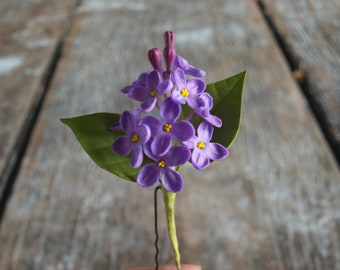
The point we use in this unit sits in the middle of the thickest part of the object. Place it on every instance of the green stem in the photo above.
(169, 203)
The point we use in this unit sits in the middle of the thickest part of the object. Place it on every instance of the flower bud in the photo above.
(169, 54)
(155, 58)
(169, 38)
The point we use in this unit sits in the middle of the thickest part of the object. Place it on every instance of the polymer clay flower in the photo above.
(166, 128)
(162, 169)
(183, 64)
(137, 136)
(141, 81)
(149, 94)
(204, 111)
(204, 150)
(187, 91)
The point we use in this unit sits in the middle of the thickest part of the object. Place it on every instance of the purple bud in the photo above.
(169, 38)
(169, 57)
(155, 58)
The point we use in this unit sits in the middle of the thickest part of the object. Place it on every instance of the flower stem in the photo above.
(156, 226)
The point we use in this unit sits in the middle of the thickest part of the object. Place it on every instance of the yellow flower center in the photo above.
(135, 138)
(167, 127)
(200, 145)
(153, 93)
(161, 163)
(184, 92)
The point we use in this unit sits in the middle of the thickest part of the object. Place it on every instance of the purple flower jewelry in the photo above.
(168, 91)
(150, 143)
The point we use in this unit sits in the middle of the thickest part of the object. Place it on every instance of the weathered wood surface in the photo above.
(311, 35)
(30, 32)
(273, 204)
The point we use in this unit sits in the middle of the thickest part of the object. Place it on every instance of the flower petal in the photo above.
(197, 103)
(199, 159)
(165, 87)
(207, 99)
(139, 93)
(169, 111)
(205, 131)
(148, 175)
(182, 130)
(177, 155)
(161, 144)
(214, 120)
(137, 156)
(148, 105)
(196, 86)
(179, 79)
(191, 143)
(216, 151)
(172, 180)
(177, 97)
(122, 145)
(128, 122)
(153, 123)
(144, 133)
(153, 80)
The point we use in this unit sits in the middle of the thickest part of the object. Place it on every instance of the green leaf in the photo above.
(92, 133)
(169, 203)
(227, 95)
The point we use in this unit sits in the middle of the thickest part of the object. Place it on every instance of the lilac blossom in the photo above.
(203, 150)
(141, 81)
(183, 64)
(204, 112)
(161, 169)
(149, 94)
(136, 136)
(166, 128)
(187, 91)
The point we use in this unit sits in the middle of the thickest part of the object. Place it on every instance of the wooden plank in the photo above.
(310, 33)
(30, 32)
(273, 204)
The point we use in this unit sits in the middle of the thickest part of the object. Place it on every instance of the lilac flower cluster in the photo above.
(165, 139)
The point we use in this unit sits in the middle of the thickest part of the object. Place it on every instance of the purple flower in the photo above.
(137, 136)
(187, 91)
(141, 81)
(180, 62)
(166, 128)
(203, 150)
(149, 94)
(204, 111)
(161, 169)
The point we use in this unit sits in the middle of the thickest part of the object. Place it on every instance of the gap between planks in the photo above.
(13, 163)
(300, 75)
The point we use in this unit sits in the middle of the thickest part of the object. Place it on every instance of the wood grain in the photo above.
(310, 31)
(273, 204)
(30, 32)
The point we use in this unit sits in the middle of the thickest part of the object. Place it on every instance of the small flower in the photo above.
(183, 64)
(204, 111)
(166, 128)
(203, 150)
(161, 169)
(141, 81)
(149, 94)
(187, 91)
(137, 136)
